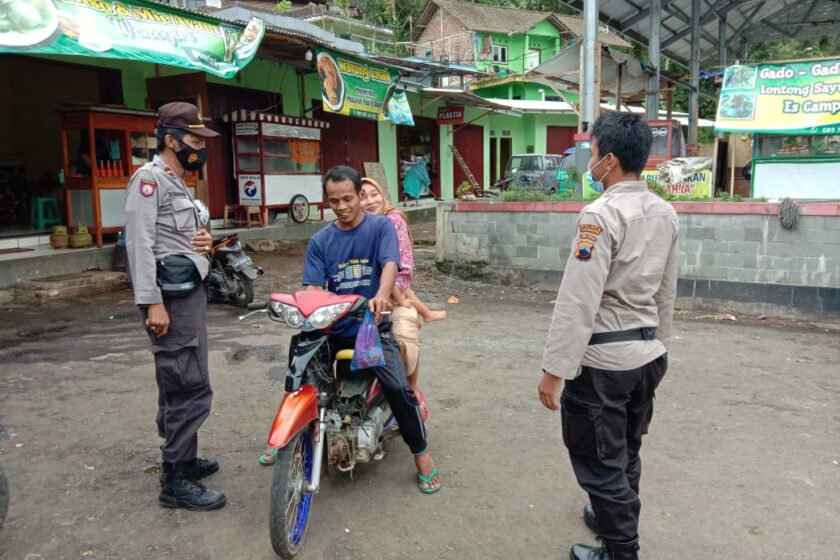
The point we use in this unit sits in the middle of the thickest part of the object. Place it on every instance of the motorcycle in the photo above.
(328, 414)
(232, 272)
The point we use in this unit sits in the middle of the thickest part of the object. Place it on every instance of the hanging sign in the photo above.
(357, 88)
(791, 98)
(450, 115)
(131, 29)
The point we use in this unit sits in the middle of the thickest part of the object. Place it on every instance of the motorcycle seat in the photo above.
(344, 354)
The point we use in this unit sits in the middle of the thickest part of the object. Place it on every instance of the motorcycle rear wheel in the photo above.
(244, 293)
(290, 503)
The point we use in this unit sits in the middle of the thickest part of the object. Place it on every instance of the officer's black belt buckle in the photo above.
(644, 333)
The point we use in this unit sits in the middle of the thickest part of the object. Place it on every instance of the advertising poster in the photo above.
(135, 30)
(250, 190)
(794, 98)
(357, 88)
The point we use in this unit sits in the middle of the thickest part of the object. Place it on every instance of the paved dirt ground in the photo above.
(741, 462)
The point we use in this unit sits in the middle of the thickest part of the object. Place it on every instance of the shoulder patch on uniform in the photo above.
(584, 249)
(147, 187)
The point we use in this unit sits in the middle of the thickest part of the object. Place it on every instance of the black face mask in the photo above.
(190, 158)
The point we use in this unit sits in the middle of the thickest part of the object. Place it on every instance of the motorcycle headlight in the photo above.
(290, 314)
(324, 316)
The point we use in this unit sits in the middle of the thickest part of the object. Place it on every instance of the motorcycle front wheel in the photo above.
(290, 502)
(243, 292)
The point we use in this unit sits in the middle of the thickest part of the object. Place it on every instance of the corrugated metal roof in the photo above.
(752, 20)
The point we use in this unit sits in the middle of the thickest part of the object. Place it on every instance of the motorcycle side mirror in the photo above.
(203, 213)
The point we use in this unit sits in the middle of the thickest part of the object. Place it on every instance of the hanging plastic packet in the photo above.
(368, 350)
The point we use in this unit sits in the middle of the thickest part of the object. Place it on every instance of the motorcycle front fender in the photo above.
(252, 272)
(298, 410)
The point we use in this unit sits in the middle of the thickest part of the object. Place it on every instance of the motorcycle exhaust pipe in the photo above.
(318, 459)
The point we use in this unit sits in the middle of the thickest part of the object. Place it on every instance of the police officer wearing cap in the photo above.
(613, 310)
(167, 250)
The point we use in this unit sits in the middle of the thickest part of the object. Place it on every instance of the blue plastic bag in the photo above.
(368, 350)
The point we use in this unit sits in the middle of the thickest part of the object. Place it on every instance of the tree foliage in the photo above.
(793, 49)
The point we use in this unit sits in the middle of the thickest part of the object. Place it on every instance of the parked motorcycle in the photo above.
(325, 407)
(232, 272)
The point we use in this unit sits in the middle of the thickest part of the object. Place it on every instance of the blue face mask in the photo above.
(596, 186)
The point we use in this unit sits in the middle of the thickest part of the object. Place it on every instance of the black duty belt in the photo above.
(646, 333)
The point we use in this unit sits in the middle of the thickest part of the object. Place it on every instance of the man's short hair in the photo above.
(340, 173)
(626, 136)
(162, 132)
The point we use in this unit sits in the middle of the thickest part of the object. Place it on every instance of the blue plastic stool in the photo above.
(44, 213)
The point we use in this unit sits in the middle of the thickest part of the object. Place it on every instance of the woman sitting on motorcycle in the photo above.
(407, 306)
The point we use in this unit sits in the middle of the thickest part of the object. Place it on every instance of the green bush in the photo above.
(518, 195)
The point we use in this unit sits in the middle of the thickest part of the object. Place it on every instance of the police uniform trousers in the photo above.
(399, 394)
(184, 394)
(604, 416)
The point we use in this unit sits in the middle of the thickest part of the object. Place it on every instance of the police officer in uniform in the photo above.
(167, 251)
(614, 308)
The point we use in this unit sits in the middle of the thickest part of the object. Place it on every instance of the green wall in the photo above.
(544, 36)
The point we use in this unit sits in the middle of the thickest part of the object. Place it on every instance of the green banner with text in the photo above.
(791, 98)
(133, 30)
(357, 88)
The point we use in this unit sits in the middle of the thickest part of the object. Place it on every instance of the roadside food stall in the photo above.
(111, 144)
(793, 110)
(277, 160)
(114, 141)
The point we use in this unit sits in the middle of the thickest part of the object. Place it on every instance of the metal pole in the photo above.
(654, 56)
(694, 79)
(722, 41)
(587, 86)
(590, 37)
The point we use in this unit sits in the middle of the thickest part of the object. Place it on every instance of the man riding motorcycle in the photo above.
(358, 254)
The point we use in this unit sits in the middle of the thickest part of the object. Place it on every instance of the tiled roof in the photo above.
(492, 19)
(574, 26)
(512, 21)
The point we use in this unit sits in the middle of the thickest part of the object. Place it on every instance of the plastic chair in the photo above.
(44, 213)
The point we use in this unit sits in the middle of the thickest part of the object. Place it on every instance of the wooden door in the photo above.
(559, 139)
(469, 141)
(349, 140)
(222, 100)
(505, 151)
(494, 161)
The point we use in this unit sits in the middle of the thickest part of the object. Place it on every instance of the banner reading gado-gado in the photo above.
(356, 88)
(131, 29)
(792, 98)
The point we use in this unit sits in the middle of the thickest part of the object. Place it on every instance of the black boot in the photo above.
(204, 468)
(180, 489)
(607, 551)
(201, 468)
(590, 519)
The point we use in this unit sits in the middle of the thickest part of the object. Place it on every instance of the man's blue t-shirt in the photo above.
(351, 261)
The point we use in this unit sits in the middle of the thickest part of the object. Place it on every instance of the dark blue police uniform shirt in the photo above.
(351, 262)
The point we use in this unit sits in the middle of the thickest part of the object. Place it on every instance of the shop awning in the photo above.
(459, 97)
(130, 29)
(563, 72)
(243, 115)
